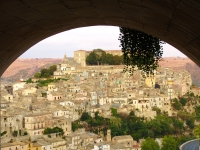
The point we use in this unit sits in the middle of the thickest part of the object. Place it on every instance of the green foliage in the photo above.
(76, 125)
(158, 111)
(169, 143)
(85, 117)
(150, 144)
(37, 75)
(161, 125)
(178, 125)
(182, 139)
(20, 132)
(99, 57)
(53, 130)
(25, 133)
(176, 105)
(197, 131)
(183, 101)
(15, 133)
(46, 73)
(132, 125)
(140, 49)
(115, 121)
(197, 112)
(114, 111)
(184, 115)
(4, 132)
(42, 83)
(29, 80)
(190, 123)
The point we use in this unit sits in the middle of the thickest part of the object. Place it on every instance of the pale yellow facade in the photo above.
(36, 123)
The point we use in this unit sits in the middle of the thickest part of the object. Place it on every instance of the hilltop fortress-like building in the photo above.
(80, 55)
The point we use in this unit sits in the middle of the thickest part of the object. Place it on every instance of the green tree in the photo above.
(178, 125)
(75, 126)
(91, 59)
(150, 144)
(190, 123)
(29, 80)
(183, 101)
(52, 69)
(118, 60)
(197, 132)
(176, 105)
(115, 121)
(108, 59)
(169, 143)
(37, 75)
(15, 133)
(4, 132)
(85, 116)
(158, 111)
(114, 112)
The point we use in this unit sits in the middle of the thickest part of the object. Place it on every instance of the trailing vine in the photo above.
(141, 51)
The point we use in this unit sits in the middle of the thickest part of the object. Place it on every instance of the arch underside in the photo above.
(26, 22)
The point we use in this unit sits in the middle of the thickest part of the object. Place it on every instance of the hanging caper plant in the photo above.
(140, 50)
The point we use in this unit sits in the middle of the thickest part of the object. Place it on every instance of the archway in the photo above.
(26, 22)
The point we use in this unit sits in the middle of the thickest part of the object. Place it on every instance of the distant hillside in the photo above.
(25, 68)
(179, 63)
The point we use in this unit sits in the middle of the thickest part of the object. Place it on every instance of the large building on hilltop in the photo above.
(80, 55)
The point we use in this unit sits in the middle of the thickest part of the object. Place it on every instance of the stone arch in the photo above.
(25, 23)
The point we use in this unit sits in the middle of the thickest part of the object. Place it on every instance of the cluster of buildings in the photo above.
(30, 109)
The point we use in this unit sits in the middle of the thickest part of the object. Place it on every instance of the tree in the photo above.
(29, 80)
(114, 112)
(176, 105)
(197, 131)
(118, 60)
(178, 125)
(52, 69)
(183, 101)
(91, 59)
(4, 132)
(53, 130)
(100, 57)
(140, 50)
(37, 75)
(115, 121)
(158, 111)
(85, 116)
(96, 57)
(149, 144)
(169, 143)
(15, 133)
(190, 123)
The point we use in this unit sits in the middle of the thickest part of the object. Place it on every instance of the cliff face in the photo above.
(25, 68)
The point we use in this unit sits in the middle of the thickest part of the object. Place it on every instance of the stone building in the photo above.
(36, 123)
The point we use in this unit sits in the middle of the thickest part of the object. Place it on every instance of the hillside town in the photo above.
(27, 109)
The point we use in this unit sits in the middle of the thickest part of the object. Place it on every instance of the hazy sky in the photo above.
(87, 38)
